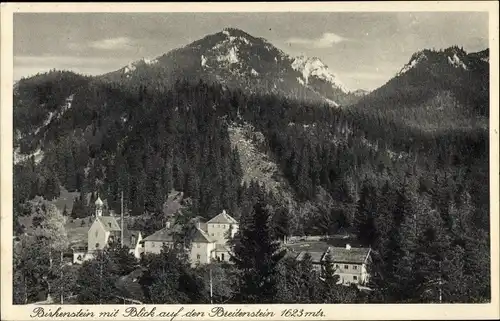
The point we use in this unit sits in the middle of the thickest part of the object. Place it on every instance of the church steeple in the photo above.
(98, 206)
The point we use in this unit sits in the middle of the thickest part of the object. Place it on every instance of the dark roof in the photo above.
(199, 236)
(223, 218)
(167, 235)
(339, 254)
(315, 256)
(78, 245)
(352, 255)
(163, 235)
(110, 223)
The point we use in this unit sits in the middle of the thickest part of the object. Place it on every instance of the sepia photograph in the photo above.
(251, 158)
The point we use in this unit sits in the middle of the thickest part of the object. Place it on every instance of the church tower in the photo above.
(98, 206)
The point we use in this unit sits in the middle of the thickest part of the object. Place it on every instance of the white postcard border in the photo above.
(332, 311)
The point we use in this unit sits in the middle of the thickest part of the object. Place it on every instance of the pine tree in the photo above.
(298, 282)
(364, 219)
(79, 210)
(51, 190)
(281, 223)
(257, 255)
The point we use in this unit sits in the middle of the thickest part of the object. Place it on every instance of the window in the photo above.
(222, 256)
(152, 244)
(355, 278)
(346, 267)
(336, 266)
(223, 226)
(198, 257)
(355, 267)
(97, 245)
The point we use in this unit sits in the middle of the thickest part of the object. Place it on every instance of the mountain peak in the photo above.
(415, 59)
(453, 56)
(313, 66)
(235, 32)
(234, 57)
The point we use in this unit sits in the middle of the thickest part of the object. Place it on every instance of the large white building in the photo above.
(208, 241)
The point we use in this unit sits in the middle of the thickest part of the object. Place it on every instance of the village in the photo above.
(210, 243)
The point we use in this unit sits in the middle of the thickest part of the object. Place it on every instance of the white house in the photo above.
(201, 244)
(350, 264)
(208, 242)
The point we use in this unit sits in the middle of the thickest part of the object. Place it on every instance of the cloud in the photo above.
(328, 39)
(112, 43)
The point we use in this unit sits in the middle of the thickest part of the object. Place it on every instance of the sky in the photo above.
(364, 49)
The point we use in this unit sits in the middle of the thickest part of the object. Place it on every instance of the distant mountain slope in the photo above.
(42, 99)
(51, 107)
(236, 59)
(435, 90)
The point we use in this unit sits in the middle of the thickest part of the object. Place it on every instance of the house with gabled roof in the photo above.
(201, 246)
(349, 263)
(221, 227)
(208, 241)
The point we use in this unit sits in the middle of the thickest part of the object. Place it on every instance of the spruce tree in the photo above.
(257, 255)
